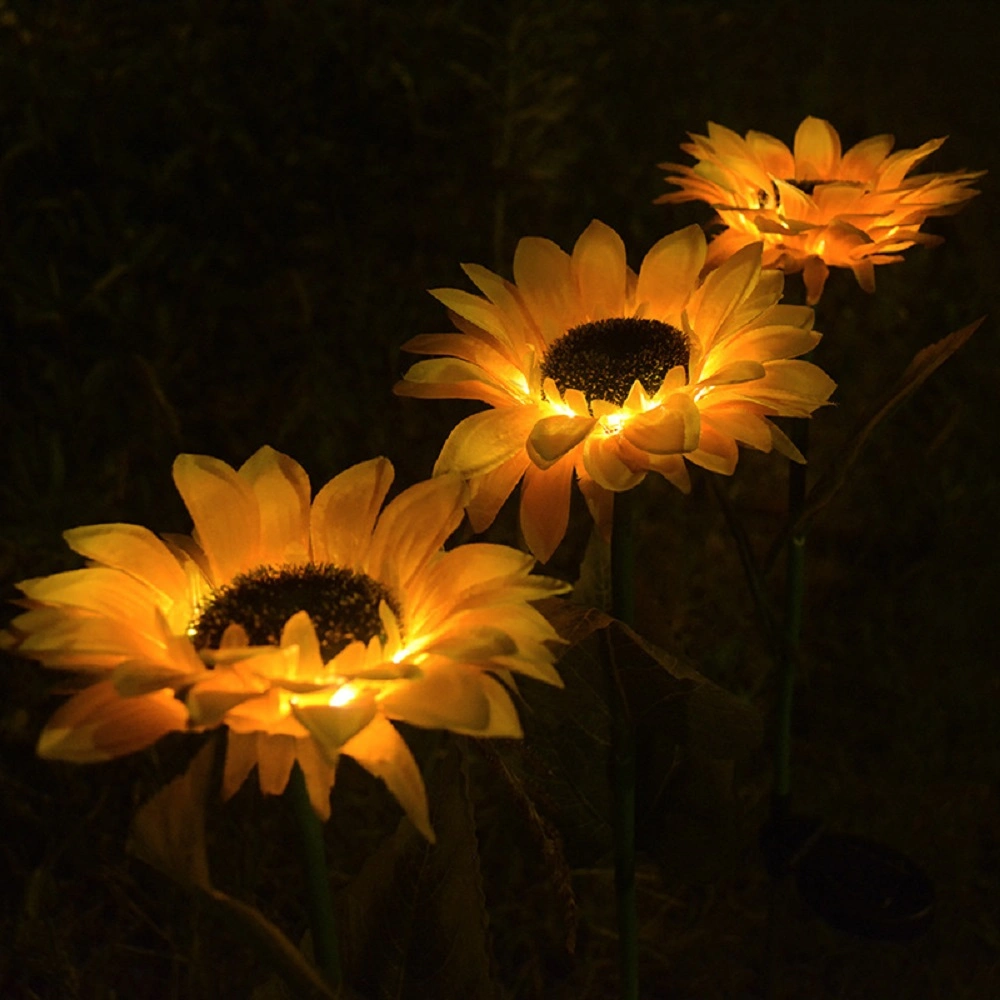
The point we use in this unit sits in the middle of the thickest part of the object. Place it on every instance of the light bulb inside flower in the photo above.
(344, 696)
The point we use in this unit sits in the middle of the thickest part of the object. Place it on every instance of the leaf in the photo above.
(413, 922)
(563, 759)
(924, 364)
(593, 585)
(168, 833)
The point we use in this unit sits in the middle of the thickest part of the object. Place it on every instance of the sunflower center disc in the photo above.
(342, 605)
(603, 359)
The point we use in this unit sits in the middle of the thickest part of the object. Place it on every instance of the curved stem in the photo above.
(788, 654)
(792, 630)
(321, 915)
(622, 759)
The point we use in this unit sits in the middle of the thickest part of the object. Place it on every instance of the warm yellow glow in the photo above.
(558, 436)
(614, 422)
(344, 696)
(855, 208)
(409, 653)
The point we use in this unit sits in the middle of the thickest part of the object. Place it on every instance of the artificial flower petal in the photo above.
(98, 724)
(815, 208)
(225, 514)
(381, 751)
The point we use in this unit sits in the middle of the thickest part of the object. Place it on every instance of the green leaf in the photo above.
(593, 585)
(413, 922)
(924, 364)
(168, 833)
(676, 712)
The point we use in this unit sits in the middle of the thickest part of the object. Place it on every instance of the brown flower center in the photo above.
(603, 359)
(342, 605)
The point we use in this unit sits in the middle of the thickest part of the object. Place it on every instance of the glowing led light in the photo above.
(343, 696)
(614, 422)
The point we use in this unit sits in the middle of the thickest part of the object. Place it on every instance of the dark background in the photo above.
(217, 225)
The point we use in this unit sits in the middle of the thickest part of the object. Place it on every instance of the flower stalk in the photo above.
(320, 902)
(792, 627)
(622, 760)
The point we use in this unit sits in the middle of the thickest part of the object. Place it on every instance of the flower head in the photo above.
(812, 206)
(303, 625)
(592, 369)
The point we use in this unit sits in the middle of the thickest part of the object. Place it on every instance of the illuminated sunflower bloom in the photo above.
(813, 207)
(594, 370)
(303, 627)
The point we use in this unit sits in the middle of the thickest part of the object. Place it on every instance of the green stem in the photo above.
(792, 631)
(622, 760)
(321, 916)
(788, 654)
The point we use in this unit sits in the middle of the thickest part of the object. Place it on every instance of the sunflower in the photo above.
(303, 626)
(814, 207)
(594, 370)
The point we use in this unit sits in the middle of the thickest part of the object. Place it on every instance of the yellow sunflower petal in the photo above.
(136, 677)
(545, 506)
(503, 720)
(319, 775)
(519, 328)
(773, 154)
(281, 487)
(275, 757)
(793, 388)
(344, 513)
(669, 274)
(601, 459)
(783, 444)
(241, 757)
(134, 550)
(817, 150)
(897, 166)
(98, 589)
(381, 751)
(598, 265)
(397, 550)
(452, 378)
(74, 639)
(715, 452)
(723, 291)
(862, 160)
(98, 724)
(741, 423)
(225, 514)
(814, 274)
(218, 692)
(668, 429)
(300, 632)
(544, 278)
(552, 437)
(332, 725)
(490, 491)
(673, 469)
(477, 311)
(483, 442)
(447, 696)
